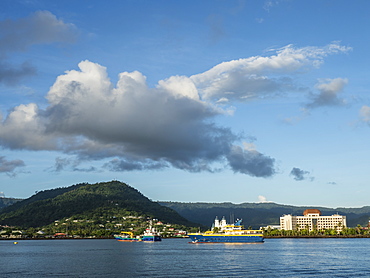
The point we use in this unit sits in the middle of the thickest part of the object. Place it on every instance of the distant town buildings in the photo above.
(2, 195)
(272, 227)
(313, 220)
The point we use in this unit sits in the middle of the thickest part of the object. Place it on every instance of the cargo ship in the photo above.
(221, 232)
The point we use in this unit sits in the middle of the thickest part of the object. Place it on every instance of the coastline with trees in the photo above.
(346, 232)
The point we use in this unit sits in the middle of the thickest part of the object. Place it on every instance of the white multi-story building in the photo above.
(311, 220)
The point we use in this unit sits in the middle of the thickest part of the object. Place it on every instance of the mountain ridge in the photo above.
(83, 198)
(260, 214)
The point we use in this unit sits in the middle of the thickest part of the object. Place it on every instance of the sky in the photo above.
(191, 101)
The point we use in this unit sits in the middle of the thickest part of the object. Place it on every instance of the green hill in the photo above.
(85, 200)
(259, 214)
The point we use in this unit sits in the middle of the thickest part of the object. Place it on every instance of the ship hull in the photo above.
(120, 238)
(202, 238)
(151, 238)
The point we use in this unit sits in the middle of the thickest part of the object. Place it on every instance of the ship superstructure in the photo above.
(221, 232)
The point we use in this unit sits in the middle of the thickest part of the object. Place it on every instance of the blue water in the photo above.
(178, 258)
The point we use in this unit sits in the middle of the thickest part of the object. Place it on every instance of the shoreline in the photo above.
(337, 236)
(72, 238)
(266, 237)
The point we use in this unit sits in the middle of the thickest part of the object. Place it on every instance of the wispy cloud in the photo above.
(329, 90)
(10, 167)
(69, 164)
(42, 27)
(217, 31)
(11, 75)
(270, 4)
(261, 77)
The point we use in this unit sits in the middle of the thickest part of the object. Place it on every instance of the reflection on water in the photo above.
(178, 258)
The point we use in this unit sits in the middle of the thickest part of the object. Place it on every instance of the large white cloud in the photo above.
(144, 128)
(170, 125)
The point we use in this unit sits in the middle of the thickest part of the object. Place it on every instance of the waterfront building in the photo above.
(313, 220)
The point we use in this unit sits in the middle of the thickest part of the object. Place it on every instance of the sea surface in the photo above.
(329, 257)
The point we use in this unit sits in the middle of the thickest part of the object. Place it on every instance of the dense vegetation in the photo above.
(259, 215)
(358, 231)
(86, 201)
(41, 195)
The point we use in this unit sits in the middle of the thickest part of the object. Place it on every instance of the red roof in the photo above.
(60, 234)
(312, 211)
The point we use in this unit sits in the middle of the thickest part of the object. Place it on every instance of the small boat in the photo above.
(151, 234)
(221, 232)
(126, 236)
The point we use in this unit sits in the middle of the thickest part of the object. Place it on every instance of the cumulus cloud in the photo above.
(300, 175)
(42, 27)
(9, 167)
(328, 93)
(260, 77)
(138, 127)
(170, 125)
(263, 199)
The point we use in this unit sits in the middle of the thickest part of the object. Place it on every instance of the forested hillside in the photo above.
(91, 201)
(259, 214)
(41, 195)
(85, 199)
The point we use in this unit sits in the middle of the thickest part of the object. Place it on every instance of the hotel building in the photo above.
(312, 219)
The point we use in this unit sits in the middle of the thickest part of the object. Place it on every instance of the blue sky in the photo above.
(215, 101)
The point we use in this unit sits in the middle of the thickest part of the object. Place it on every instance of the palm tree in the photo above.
(359, 229)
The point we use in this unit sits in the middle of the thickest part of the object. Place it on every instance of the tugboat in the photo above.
(221, 232)
(151, 234)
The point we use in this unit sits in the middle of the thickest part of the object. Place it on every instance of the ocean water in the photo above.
(177, 258)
